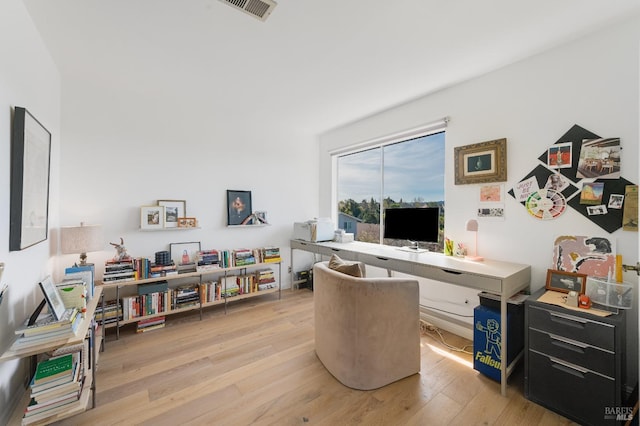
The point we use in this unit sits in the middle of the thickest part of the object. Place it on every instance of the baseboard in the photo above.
(452, 325)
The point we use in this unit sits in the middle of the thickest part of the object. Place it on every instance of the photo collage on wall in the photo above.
(582, 171)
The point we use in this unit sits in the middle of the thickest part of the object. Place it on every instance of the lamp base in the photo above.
(474, 258)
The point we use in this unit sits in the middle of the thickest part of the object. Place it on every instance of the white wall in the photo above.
(592, 82)
(124, 149)
(28, 78)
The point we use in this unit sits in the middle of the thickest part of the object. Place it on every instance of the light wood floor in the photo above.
(257, 365)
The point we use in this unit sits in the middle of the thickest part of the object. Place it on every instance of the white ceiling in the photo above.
(316, 64)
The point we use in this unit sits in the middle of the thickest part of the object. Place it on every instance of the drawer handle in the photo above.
(452, 272)
(382, 258)
(568, 320)
(568, 368)
(335, 249)
(568, 344)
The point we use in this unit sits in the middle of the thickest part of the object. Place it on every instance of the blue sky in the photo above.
(412, 170)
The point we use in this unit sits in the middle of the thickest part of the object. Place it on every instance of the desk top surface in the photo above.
(489, 268)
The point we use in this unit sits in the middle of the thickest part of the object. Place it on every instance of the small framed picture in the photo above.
(184, 253)
(565, 282)
(173, 210)
(238, 207)
(52, 295)
(481, 162)
(187, 222)
(151, 217)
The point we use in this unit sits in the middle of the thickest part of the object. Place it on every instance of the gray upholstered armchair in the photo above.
(367, 331)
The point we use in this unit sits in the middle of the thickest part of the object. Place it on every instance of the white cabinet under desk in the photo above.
(497, 277)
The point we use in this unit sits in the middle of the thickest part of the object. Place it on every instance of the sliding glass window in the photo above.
(398, 173)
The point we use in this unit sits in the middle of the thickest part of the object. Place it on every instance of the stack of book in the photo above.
(149, 324)
(266, 279)
(157, 270)
(119, 271)
(46, 328)
(208, 259)
(243, 257)
(271, 255)
(185, 296)
(57, 383)
(185, 268)
(112, 310)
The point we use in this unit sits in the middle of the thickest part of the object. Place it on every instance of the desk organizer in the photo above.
(611, 294)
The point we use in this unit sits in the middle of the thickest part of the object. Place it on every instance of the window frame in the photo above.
(379, 142)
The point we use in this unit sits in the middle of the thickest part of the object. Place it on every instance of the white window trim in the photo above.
(415, 132)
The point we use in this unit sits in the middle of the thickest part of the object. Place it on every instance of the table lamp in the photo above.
(81, 239)
(472, 225)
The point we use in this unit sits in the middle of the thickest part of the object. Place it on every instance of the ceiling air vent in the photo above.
(260, 9)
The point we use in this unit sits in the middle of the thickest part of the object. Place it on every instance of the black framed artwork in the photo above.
(238, 207)
(30, 165)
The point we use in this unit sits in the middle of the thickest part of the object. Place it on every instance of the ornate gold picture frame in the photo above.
(481, 162)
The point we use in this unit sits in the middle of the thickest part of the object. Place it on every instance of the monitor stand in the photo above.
(414, 248)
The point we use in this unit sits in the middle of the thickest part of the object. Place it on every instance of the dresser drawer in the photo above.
(572, 351)
(585, 330)
(572, 391)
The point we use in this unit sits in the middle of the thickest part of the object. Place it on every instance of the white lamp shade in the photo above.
(81, 239)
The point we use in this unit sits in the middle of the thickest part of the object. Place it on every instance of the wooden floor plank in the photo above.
(256, 364)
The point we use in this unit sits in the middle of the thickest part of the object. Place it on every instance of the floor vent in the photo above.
(259, 9)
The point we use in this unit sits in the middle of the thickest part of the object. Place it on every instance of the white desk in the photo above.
(502, 278)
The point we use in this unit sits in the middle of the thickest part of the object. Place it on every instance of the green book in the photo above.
(54, 368)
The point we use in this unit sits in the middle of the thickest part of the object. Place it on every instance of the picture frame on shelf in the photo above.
(30, 175)
(238, 207)
(481, 162)
(187, 222)
(53, 298)
(184, 253)
(173, 210)
(565, 282)
(151, 217)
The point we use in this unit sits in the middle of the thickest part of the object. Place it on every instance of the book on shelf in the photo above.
(145, 304)
(87, 273)
(45, 323)
(119, 271)
(209, 291)
(271, 255)
(155, 287)
(54, 368)
(184, 268)
(54, 396)
(112, 310)
(208, 259)
(73, 292)
(243, 257)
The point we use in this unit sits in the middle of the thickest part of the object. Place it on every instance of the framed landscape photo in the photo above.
(30, 165)
(238, 206)
(481, 162)
(173, 210)
(151, 217)
(565, 282)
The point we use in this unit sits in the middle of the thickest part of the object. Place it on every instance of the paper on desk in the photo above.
(558, 298)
